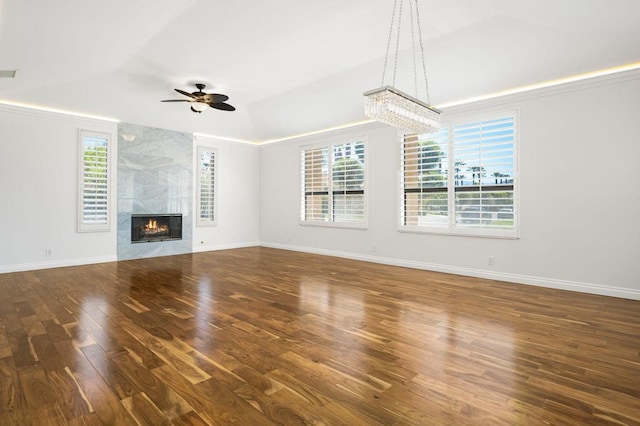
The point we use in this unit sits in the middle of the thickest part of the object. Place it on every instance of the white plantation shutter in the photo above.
(347, 179)
(462, 179)
(94, 194)
(333, 184)
(315, 184)
(484, 193)
(424, 180)
(206, 186)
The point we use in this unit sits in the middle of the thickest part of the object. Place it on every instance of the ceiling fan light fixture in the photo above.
(198, 106)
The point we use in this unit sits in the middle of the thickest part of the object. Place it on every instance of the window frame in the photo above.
(332, 223)
(451, 228)
(82, 225)
(200, 222)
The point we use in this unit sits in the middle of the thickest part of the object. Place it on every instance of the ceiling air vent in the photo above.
(8, 74)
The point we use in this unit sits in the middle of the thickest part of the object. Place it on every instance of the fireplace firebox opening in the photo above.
(147, 228)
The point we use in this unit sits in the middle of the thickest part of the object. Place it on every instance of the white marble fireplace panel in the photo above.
(155, 173)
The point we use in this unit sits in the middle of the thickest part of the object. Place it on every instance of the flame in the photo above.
(152, 227)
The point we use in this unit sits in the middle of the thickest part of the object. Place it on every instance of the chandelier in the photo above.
(392, 106)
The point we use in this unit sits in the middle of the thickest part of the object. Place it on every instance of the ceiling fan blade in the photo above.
(177, 100)
(186, 93)
(222, 106)
(214, 98)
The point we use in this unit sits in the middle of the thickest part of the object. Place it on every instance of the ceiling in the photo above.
(290, 66)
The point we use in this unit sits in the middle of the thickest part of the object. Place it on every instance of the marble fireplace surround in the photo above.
(155, 176)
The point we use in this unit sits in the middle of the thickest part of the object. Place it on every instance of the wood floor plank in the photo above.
(144, 410)
(137, 349)
(258, 336)
(76, 361)
(36, 387)
(90, 419)
(189, 419)
(169, 402)
(47, 354)
(214, 403)
(33, 326)
(71, 398)
(220, 367)
(273, 409)
(49, 415)
(56, 331)
(16, 418)
(106, 404)
(182, 362)
(78, 334)
(11, 320)
(110, 372)
(11, 393)
(307, 393)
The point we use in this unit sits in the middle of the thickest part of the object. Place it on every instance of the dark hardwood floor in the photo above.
(262, 336)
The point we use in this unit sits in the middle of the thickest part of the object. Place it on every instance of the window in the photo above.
(94, 193)
(462, 180)
(333, 185)
(207, 215)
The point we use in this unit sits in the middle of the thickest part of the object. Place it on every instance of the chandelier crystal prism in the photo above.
(392, 106)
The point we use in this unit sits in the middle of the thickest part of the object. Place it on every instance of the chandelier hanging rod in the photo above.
(389, 105)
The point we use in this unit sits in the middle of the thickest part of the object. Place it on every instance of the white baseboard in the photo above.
(32, 266)
(202, 248)
(622, 292)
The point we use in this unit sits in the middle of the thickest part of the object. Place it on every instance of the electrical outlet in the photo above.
(48, 252)
(491, 261)
(374, 249)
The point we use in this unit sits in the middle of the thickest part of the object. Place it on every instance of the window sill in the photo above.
(339, 225)
(500, 234)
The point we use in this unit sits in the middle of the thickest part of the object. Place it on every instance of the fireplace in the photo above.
(148, 228)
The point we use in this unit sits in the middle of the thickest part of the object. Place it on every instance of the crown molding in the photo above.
(542, 90)
(38, 111)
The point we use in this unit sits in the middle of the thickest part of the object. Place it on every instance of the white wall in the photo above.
(39, 191)
(238, 190)
(579, 196)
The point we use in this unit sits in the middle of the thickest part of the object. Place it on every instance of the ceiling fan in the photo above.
(200, 100)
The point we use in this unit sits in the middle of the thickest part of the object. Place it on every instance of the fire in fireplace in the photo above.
(146, 228)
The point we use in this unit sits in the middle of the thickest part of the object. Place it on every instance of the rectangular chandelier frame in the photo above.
(389, 105)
